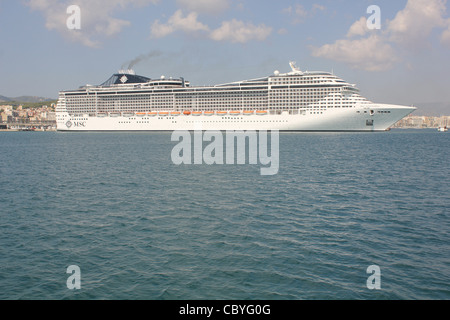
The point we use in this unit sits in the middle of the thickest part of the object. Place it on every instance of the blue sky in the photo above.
(407, 61)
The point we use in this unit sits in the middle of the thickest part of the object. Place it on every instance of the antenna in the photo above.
(294, 67)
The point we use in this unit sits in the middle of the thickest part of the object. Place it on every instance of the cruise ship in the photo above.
(294, 101)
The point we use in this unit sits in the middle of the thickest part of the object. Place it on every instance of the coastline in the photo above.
(20, 130)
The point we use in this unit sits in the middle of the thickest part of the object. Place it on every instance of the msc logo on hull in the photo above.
(76, 124)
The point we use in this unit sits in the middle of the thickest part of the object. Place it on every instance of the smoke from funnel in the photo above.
(141, 58)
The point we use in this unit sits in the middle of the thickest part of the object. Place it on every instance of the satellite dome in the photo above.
(276, 72)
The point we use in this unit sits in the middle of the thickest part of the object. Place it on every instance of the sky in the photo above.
(399, 54)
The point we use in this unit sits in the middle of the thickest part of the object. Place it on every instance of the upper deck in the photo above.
(127, 80)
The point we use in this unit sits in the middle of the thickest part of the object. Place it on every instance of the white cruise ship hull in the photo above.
(294, 101)
(370, 118)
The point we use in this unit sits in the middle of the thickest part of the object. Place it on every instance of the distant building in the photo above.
(10, 114)
(6, 108)
(422, 122)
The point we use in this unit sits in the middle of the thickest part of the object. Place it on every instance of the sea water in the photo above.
(139, 226)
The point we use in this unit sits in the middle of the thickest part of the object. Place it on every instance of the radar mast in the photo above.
(295, 69)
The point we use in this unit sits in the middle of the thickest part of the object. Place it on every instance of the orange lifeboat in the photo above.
(209, 113)
(175, 113)
(261, 112)
(163, 113)
(221, 113)
(235, 113)
(196, 113)
(248, 112)
(152, 114)
(187, 112)
(140, 114)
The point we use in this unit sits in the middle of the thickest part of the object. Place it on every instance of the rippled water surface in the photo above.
(140, 227)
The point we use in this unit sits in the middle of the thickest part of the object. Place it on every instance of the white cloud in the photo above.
(240, 32)
(205, 6)
(97, 20)
(318, 7)
(371, 54)
(234, 31)
(412, 26)
(298, 13)
(445, 37)
(282, 31)
(359, 28)
(378, 50)
(178, 22)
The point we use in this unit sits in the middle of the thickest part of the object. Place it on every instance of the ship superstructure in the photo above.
(293, 101)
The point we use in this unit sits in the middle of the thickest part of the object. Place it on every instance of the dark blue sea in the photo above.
(140, 227)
